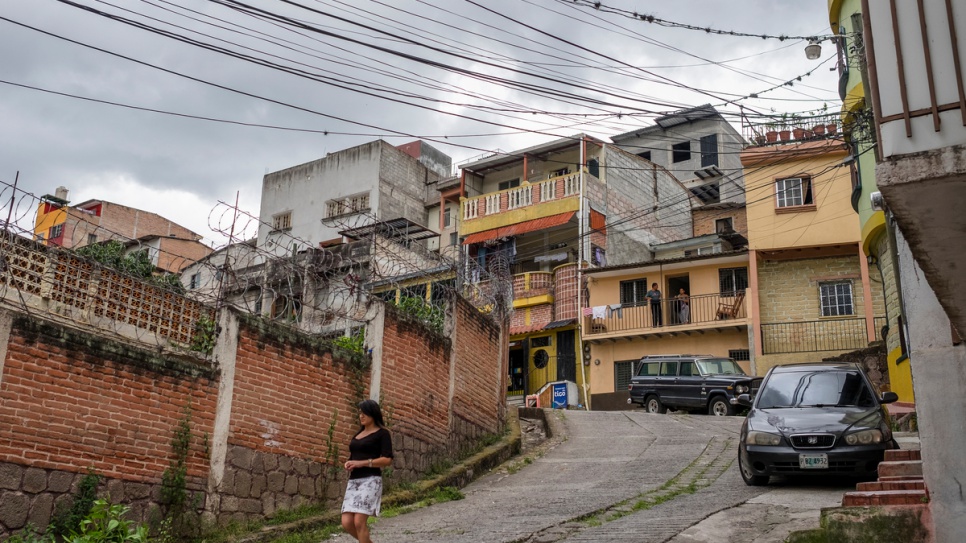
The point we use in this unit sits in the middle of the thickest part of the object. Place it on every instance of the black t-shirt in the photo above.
(375, 445)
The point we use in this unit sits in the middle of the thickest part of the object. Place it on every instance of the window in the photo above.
(732, 280)
(447, 217)
(513, 183)
(622, 374)
(648, 369)
(709, 150)
(794, 191)
(350, 204)
(669, 368)
(681, 152)
(724, 226)
(56, 231)
(439, 290)
(91, 239)
(836, 299)
(689, 369)
(414, 291)
(542, 341)
(632, 292)
(593, 167)
(282, 221)
(739, 354)
(195, 281)
(454, 238)
(646, 155)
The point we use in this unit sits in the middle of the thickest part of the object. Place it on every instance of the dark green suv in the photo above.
(704, 383)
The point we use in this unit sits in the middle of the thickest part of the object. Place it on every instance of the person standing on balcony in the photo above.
(684, 306)
(369, 451)
(654, 299)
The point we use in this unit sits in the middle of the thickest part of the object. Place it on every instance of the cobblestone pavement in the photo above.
(613, 476)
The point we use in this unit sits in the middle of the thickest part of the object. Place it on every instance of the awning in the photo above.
(560, 324)
(520, 228)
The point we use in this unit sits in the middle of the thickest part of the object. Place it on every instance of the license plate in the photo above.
(813, 461)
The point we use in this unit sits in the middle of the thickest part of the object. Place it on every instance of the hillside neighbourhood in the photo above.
(455, 293)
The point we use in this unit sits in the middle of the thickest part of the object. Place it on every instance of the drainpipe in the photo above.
(580, 275)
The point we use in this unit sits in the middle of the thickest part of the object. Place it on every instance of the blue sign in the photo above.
(559, 396)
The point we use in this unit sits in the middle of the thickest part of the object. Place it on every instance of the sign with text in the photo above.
(560, 395)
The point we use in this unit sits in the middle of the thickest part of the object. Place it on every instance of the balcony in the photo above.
(702, 312)
(817, 336)
(533, 200)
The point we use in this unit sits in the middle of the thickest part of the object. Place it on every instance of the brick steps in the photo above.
(904, 484)
(885, 497)
(901, 468)
(902, 455)
(900, 482)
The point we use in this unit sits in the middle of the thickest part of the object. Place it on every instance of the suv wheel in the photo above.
(654, 405)
(750, 478)
(720, 407)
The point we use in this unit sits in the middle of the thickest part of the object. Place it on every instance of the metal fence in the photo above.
(815, 336)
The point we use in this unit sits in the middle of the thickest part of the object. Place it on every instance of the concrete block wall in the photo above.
(704, 220)
(402, 185)
(789, 289)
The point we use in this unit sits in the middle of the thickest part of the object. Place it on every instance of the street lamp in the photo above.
(813, 50)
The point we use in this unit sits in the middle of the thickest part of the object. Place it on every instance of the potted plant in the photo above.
(784, 133)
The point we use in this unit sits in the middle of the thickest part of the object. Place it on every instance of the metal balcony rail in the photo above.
(815, 336)
(669, 313)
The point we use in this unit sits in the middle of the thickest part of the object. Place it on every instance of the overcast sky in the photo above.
(470, 76)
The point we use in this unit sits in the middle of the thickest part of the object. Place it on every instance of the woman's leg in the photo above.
(349, 524)
(362, 528)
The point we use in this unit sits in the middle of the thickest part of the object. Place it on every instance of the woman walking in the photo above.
(369, 451)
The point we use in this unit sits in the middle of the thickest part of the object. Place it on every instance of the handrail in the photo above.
(815, 336)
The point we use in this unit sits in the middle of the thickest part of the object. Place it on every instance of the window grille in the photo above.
(282, 221)
(622, 374)
(632, 292)
(836, 299)
(732, 280)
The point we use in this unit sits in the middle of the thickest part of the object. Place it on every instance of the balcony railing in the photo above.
(563, 186)
(816, 336)
(668, 314)
(526, 285)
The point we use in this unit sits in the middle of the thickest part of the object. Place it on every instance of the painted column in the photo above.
(867, 295)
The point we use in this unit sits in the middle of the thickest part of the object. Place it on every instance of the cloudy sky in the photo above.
(470, 76)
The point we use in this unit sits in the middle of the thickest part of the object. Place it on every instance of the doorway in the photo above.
(566, 356)
(679, 310)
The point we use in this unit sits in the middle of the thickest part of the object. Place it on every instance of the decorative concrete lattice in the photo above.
(40, 278)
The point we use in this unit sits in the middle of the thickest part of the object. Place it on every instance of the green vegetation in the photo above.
(355, 343)
(205, 336)
(419, 309)
(67, 518)
(138, 263)
(181, 520)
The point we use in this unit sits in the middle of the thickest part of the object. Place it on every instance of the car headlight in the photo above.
(742, 389)
(762, 438)
(865, 437)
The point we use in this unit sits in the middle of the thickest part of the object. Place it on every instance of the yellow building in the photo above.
(810, 288)
(51, 217)
(703, 310)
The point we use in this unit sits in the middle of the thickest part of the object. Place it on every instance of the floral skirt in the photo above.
(363, 495)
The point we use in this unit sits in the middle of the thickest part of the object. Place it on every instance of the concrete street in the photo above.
(622, 476)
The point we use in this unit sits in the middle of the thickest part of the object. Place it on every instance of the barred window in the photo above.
(282, 221)
(732, 280)
(622, 374)
(836, 299)
(56, 231)
(632, 292)
(351, 204)
(739, 354)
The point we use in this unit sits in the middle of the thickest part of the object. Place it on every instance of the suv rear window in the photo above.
(648, 369)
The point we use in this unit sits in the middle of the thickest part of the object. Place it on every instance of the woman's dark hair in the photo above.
(371, 409)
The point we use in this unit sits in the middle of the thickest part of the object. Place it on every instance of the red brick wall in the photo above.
(71, 401)
(481, 353)
(287, 391)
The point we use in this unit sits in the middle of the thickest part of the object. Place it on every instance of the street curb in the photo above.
(459, 476)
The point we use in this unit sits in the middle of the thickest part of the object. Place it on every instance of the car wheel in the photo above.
(654, 405)
(750, 478)
(720, 407)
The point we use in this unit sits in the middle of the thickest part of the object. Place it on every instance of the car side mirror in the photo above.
(889, 397)
(744, 399)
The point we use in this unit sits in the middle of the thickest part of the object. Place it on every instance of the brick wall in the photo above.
(72, 400)
(704, 220)
(119, 222)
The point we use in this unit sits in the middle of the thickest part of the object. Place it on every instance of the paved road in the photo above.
(620, 476)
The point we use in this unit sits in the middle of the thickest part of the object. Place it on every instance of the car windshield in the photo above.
(719, 366)
(815, 389)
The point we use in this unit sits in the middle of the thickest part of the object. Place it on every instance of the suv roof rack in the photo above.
(648, 356)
